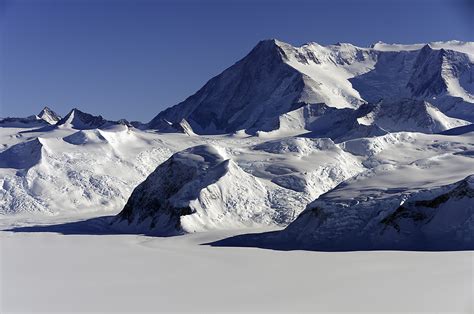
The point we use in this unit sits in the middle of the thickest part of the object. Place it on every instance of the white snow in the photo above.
(375, 143)
(50, 272)
(271, 91)
(456, 45)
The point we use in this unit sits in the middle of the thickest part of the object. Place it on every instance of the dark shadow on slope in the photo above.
(93, 226)
(275, 241)
(272, 240)
(460, 130)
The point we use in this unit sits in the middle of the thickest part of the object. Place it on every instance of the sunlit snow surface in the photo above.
(53, 260)
(241, 181)
(50, 272)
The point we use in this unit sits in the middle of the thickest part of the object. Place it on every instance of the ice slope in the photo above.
(423, 204)
(262, 91)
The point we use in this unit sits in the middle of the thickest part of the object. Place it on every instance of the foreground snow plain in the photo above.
(56, 270)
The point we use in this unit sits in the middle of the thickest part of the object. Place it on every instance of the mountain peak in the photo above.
(77, 119)
(49, 115)
(269, 47)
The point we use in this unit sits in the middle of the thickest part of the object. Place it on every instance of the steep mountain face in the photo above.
(249, 94)
(49, 116)
(262, 91)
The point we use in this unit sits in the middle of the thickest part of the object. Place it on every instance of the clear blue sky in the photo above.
(131, 59)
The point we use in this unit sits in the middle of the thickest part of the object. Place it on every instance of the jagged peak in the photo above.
(269, 45)
(49, 115)
(78, 119)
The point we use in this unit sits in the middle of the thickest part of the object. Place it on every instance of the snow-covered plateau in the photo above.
(294, 149)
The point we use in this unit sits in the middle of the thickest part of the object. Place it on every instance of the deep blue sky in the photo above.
(130, 59)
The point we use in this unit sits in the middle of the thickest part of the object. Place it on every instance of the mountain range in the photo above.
(276, 81)
(342, 146)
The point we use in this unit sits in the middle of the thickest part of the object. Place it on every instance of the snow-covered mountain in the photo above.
(45, 117)
(407, 115)
(49, 116)
(275, 79)
(76, 119)
(371, 120)
(196, 190)
(353, 132)
(424, 217)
